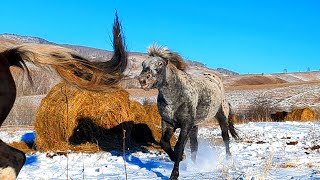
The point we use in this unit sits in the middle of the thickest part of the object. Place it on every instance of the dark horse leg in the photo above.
(176, 155)
(167, 132)
(223, 122)
(11, 159)
(194, 142)
(179, 148)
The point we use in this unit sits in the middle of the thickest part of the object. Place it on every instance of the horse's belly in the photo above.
(207, 113)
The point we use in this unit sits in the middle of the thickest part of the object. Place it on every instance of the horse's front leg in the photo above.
(179, 148)
(167, 132)
(194, 142)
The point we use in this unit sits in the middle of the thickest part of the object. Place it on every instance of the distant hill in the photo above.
(245, 92)
(102, 55)
(25, 39)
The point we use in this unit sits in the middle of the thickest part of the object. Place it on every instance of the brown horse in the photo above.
(70, 66)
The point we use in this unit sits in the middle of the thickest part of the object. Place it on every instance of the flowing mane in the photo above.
(168, 56)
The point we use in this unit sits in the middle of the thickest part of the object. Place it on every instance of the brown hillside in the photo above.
(257, 80)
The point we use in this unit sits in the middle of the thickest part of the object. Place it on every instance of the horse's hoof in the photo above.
(228, 155)
(174, 175)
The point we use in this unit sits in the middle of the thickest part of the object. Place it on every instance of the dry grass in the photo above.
(288, 165)
(22, 146)
(72, 116)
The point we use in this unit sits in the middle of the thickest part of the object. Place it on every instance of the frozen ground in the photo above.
(288, 150)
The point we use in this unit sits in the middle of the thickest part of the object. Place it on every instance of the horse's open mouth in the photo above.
(146, 87)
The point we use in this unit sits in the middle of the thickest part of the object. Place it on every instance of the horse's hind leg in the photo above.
(194, 142)
(223, 122)
(11, 161)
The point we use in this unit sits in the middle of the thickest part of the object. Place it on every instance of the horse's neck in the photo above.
(171, 84)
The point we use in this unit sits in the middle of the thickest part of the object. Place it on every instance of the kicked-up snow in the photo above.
(282, 150)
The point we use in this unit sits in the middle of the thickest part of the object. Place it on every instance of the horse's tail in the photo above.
(118, 62)
(232, 129)
(72, 67)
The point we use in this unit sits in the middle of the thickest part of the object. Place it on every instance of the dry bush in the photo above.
(260, 111)
(305, 114)
(256, 113)
(70, 116)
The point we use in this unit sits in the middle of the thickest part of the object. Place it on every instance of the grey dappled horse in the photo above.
(184, 101)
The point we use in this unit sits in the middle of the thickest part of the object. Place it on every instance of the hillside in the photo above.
(278, 92)
(95, 54)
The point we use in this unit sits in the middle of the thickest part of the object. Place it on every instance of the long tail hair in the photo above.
(73, 68)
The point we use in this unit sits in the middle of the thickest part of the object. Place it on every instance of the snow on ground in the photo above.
(266, 151)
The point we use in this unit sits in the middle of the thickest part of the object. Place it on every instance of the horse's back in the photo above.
(211, 97)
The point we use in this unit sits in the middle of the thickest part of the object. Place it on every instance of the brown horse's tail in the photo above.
(118, 62)
(72, 67)
(232, 129)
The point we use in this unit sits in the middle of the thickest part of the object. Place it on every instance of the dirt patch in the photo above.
(292, 143)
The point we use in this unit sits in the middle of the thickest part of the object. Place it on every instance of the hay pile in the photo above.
(305, 114)
(69, 116)
(22, 146)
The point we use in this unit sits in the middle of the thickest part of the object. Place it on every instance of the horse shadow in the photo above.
(137, 138)
(149, 165)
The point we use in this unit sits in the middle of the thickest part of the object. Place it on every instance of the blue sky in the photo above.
(250, 36)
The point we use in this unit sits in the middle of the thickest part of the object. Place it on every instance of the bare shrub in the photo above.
(259, 111)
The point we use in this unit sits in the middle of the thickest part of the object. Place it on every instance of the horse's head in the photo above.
(154, 68)
(153, 73)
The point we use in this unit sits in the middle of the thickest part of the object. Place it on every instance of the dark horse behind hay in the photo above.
(71, 67)
(184, 101)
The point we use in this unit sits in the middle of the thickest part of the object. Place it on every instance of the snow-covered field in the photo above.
(287, 150)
